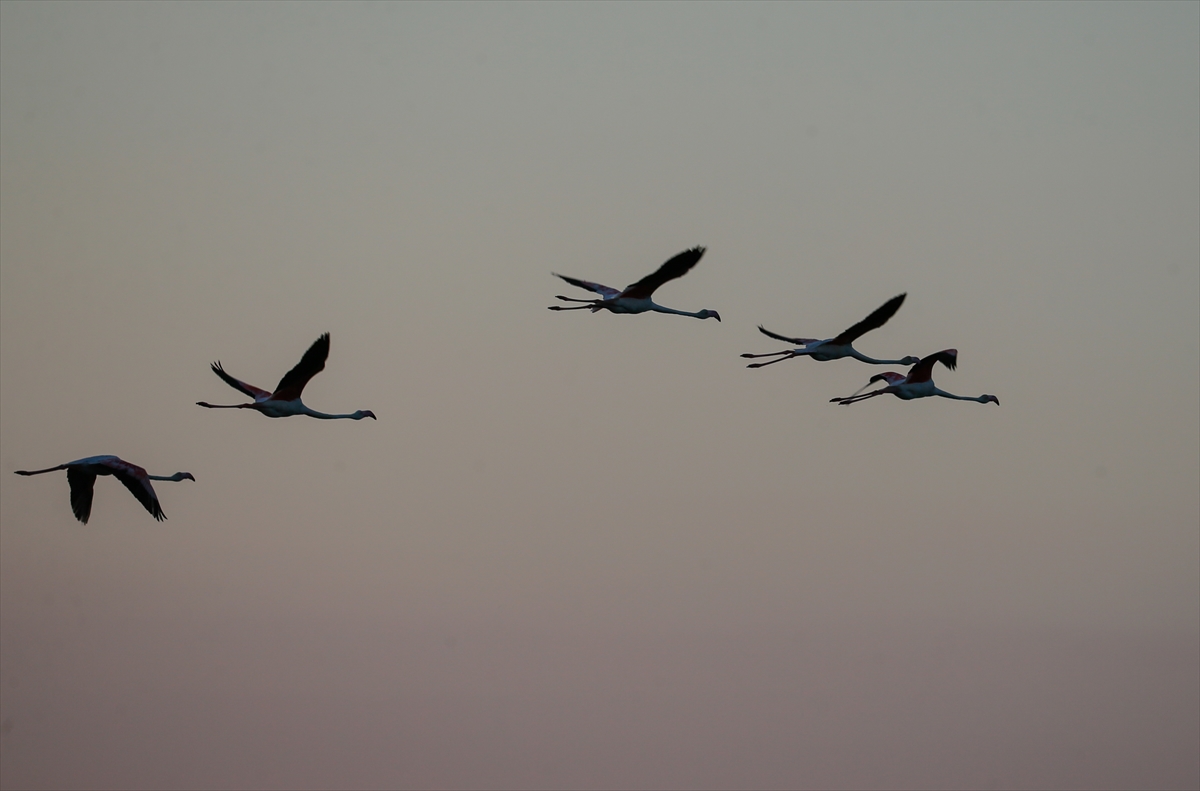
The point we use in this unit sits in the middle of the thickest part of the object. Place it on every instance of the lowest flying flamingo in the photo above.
(636, 298)
(839, 347)
(81, 475)
(285, 401)
(918, 383)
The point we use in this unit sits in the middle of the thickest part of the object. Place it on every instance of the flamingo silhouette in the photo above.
(81, 475)
(918, 383)
(839, 347)
(636, 298)
(285, 401)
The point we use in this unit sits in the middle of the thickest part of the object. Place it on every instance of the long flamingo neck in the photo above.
(856, 354)
(323, 416)
(699, 314)
(944, 394)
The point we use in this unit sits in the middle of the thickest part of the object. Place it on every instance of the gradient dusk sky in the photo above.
(595, 551)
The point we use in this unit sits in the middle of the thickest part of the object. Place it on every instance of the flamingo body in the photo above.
(81, 476)
(285, 401)
(636, 297)
(917, 384)
(840, 346)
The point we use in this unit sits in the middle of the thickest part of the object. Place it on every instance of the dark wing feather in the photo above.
(675, 267)
(81, 482)
(142, 489)
(873, 322)
(311, 364)
(785, 339)
(258, 394)
(607, 292)
(923, 370)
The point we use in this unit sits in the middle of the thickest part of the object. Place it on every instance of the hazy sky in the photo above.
(593, 550)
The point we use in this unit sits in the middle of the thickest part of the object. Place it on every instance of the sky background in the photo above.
(593, 550)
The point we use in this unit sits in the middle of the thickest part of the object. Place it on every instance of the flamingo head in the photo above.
(983, 399)
(362, 413)
(707, 314)
(910, 360)
(183, 476)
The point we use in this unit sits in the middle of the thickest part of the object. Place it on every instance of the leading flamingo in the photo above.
(285, 401)
(636, 298)
(81, 475)
(839, 347)
(918, 383)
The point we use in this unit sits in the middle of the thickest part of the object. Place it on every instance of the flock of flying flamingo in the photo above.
(285, 401)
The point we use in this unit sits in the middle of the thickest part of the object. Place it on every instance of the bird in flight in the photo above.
(636, 298)
(81, 475)
(918, 383)
(841, 346)
(285, 401)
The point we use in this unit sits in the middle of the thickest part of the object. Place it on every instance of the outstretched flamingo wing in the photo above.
(136, 481)
(257, 393)
(784, 338)
(311, 364)
(890, 377)
(673, 268)
(81, 481)
(605, 291)
(923, 371)
(877, 319)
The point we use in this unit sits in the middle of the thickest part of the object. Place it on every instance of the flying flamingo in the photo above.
(285, 401)
(81, 475)
(636, 298)
(839, 347)
(918, 383)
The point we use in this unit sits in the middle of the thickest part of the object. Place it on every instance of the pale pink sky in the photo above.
(596, 551)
